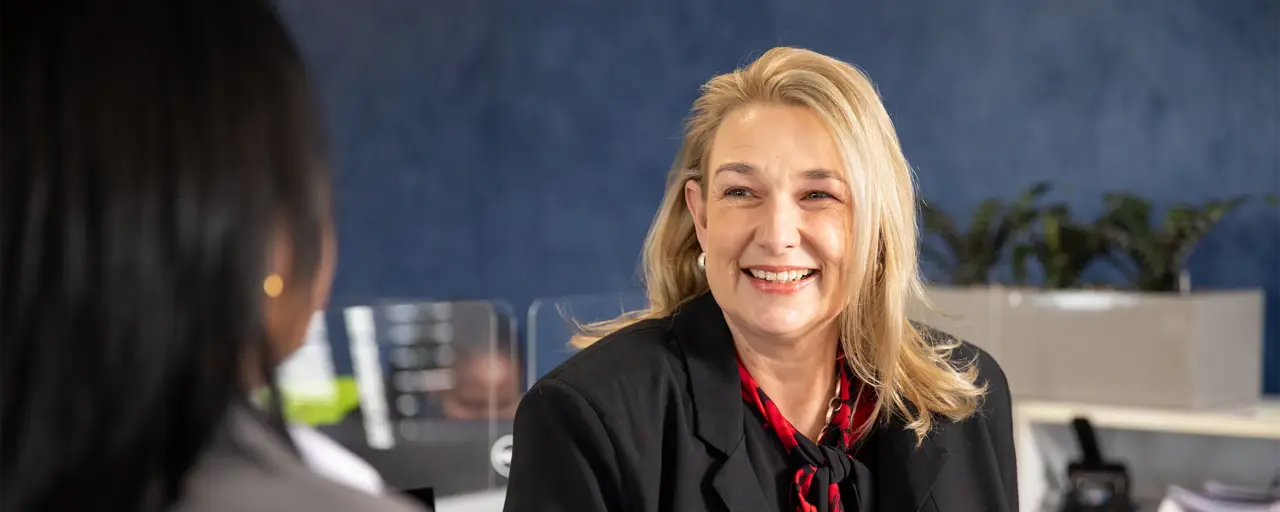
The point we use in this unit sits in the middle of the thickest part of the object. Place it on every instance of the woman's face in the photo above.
(774, 221)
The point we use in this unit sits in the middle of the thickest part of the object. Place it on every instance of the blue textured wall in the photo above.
(504, 149)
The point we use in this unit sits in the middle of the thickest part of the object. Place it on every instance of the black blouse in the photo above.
(769, 460)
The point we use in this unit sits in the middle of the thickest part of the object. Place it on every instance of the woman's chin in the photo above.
(777, 320)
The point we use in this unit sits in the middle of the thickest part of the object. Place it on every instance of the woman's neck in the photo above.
(798, 374)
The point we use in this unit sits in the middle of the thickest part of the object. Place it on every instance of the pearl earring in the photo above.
(702, 261)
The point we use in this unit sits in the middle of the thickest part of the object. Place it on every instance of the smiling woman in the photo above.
(775, 367)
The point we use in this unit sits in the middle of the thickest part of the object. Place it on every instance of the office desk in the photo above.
(1161, 446)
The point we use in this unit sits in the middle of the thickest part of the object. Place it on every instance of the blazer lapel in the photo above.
(735, 481)
(905, 473)
(707, 345)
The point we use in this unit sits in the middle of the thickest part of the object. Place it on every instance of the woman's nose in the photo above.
(779, 230)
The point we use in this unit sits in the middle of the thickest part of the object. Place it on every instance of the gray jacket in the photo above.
(249, 468)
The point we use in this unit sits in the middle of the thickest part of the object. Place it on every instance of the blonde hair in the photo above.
(911, 375)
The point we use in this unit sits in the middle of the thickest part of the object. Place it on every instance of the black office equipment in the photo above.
(1094, 484)
(425, 496)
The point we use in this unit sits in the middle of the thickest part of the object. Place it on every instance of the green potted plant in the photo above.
(1143, 346)
(1156, 254)
(968, 254)
(1064, 248)
(964, 304)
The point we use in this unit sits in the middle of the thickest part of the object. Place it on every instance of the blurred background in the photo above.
(511, 154)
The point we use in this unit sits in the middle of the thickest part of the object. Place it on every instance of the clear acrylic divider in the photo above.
(423, 390)
(552, 321)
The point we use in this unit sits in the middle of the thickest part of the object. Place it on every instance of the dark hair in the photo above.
(152, 152)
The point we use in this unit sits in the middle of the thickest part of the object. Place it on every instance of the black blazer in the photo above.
(651, 419)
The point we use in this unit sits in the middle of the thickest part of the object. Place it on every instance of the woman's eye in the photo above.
(737, 192)
(818, 196)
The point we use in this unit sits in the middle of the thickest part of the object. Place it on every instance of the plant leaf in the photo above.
(980, 227)
(939, 223)
(932, 254)
(1021, 254)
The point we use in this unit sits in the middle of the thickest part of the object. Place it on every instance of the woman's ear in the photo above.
(286, 313)
(697, 203)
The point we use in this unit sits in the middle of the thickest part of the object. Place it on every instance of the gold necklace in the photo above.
(831, 409)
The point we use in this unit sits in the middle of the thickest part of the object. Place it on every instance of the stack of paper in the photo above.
(1219, 497)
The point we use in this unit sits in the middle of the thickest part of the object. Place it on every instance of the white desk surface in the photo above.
(488, 501)
(1261, 420)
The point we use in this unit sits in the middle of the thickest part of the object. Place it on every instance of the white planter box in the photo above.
(1148, 349)
(971, 314)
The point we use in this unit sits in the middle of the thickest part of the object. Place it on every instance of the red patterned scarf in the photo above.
(822, 466)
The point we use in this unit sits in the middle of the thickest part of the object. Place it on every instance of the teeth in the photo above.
(781, 277)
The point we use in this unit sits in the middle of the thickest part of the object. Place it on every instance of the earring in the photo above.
(702, 261)
(273, 285)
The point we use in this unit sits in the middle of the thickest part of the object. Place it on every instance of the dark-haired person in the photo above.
(166, 237)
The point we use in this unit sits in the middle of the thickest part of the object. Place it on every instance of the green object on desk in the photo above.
(313, 411)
